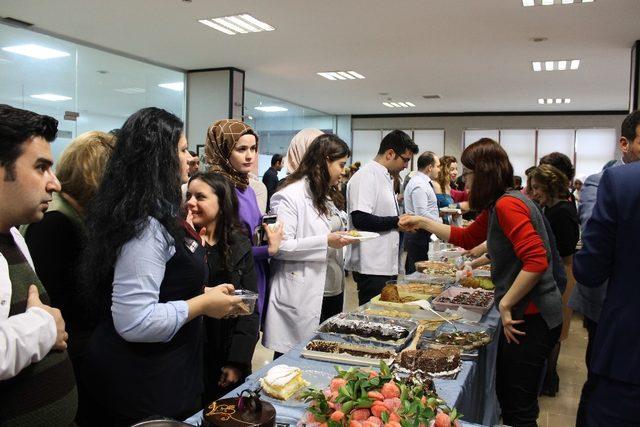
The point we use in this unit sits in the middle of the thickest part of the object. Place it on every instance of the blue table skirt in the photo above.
(472, 392)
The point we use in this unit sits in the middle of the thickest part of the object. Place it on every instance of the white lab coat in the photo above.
(25, 338)
(298, 270)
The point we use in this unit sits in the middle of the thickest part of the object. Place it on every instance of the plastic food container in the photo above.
(441, 305)
(249, 300)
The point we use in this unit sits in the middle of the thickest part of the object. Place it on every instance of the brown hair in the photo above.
(313, 166)
(82, 164)
(444, 176)
(551, 180)
(491, 169)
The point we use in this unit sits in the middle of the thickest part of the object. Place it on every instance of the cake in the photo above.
(283, 381)
(350, 349)
(365, 328)
(226, 413)
(388, 313)
(477, 282)
(436, 268)
(479, 298)
(465, 340)
(443, 360)
(390, 294)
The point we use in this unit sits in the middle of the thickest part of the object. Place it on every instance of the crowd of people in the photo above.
(118, 294)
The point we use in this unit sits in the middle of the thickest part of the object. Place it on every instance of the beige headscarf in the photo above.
(298, 147)
(222, 137)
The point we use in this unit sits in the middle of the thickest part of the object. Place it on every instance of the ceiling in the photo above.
(475, 54)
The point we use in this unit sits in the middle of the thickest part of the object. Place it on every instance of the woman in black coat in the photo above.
(229, 343)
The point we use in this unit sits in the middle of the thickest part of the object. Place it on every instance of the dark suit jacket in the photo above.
(611, 241)
(270, 180)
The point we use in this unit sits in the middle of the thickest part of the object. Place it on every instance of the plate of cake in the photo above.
(283, 384)
(360, 235)
(377, 331)
(347, 353)
(476, 300)
(436, 362)
(436, 268)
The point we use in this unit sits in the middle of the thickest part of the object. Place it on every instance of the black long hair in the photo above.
(313, 165)
(227, 221)
(141, 180)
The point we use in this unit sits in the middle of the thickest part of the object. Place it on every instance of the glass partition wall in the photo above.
(83, 88)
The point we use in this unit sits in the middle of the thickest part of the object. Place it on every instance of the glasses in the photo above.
(404, 159)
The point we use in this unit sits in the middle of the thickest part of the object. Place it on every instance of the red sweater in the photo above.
(514, 219)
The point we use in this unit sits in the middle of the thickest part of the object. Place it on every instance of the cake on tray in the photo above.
(283, 381)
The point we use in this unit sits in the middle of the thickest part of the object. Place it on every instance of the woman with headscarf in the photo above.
(298, 146)
(231, 149)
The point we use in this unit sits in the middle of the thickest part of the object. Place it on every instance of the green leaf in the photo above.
(375, 381)
(385, 416)
(347, 407)
(332, 423)
(364, 403)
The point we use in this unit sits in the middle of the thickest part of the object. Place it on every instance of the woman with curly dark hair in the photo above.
(147, 268)
(229, 343)
(307, 280)
(527, 293)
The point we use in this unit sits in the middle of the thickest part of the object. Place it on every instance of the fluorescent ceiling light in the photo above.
(341, 75)
(51, 97)
(237, 24)
(177, 86)
(567, 1)
(36, 51)
(540, 100)
(567, 100)
(561, 65)
(527, 3)
(547, 2)
(131, 90)
(405, 104)
(549, 101)
(271, 109)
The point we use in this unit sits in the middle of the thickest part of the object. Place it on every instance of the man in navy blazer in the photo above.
(610, 243)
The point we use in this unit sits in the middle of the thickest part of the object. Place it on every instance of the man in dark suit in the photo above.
(610, 240)
(270, 177)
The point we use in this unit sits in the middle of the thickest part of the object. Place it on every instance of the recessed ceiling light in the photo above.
(237, 24)
(341, 75)
(131, 90)
(561, 65)
(527, 3)
(177, 86)
(549, 101)
(36, 51)
(405, 104)
(51, 97)
(271, 109)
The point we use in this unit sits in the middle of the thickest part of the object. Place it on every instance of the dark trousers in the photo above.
(417, 246)
(369, 285)
(587, 388)
(519, 368)
(331, 306)
(607, 402)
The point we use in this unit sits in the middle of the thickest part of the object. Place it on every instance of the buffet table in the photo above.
(472, 392)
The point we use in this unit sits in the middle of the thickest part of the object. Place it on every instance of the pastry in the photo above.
(365, 328)
(441, 361)
(283, 381)
(464, 340)
(350, 349)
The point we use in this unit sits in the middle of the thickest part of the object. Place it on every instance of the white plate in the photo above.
(364, 235)
(317, 379)
(450, 211)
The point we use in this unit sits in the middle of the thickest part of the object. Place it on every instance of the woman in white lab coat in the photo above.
(308, 268)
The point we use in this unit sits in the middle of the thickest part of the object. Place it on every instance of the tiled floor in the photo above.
(554, 411)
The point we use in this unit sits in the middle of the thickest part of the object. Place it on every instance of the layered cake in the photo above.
(465, 340)
(366, 329)
(475, 298)
(436, 268)
(441, 361)
(350, 349)
(228, 413)
(283, 381)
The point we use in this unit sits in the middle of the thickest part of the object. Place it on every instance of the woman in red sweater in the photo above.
(527, 295)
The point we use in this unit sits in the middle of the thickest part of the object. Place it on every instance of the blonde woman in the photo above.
(80, 171)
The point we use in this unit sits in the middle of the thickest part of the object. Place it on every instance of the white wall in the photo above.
(454, 126)
(207, 102)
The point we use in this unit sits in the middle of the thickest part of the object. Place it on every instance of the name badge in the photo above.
(191, 245)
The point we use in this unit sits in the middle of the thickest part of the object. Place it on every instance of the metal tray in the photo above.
(452, 292)
(396, 345)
